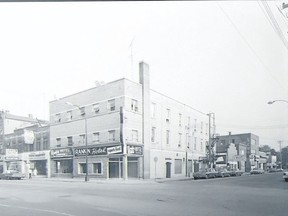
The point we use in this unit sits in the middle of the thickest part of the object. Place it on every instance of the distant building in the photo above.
(132, 132)
(246, 156)
(24, 144)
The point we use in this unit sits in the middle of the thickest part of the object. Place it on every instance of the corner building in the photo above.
(131, 130)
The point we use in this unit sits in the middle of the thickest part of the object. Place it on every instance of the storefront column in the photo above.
(125, 167)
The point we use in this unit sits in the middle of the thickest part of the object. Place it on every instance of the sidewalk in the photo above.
(107, 181)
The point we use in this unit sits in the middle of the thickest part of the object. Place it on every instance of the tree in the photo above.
(284, 155)
(265, 148)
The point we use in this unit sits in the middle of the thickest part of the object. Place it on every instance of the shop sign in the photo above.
(37, 156)
(91, 151)
(138, 150)
(11, 154)
(28, 137)
(98, 151)
(114, 149)
(66, 152)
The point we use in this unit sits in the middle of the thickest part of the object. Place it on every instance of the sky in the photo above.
(216, 56)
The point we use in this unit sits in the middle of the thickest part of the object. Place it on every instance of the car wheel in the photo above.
(195, 178)
(286, 180)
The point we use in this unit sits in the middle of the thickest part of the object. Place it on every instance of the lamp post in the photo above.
(86, 142)
(271, 102)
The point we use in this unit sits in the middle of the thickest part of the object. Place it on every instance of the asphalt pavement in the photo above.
(253, 195)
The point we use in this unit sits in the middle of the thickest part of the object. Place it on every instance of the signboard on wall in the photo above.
(58, 153)
(28, 137)
(105, 150)
(137, 150)
(11, 154)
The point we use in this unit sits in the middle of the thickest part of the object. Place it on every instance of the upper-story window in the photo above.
(45, 143)
(195, 124)
(201, 145)
(207, 128)
(70, 141)
(96, 137)
(188, 122)
(58, 142)
(135, 135)
(153, 110)
(82, 139)
(82, 111)
(69, 115)
(112, 135)
(180, 140)
(134, 105)
(167, 137)
(180, 119)
(58, 118)
(201, 127)
(96, 108)
(195, 143)
(167, 115)
(111, 105)
(153, 134)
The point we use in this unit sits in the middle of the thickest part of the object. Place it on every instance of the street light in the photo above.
(86, 142)
(271, 102)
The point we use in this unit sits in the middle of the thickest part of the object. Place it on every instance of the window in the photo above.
(96, 108)
(188, 138)
(38, 144)
(201, 145)
(178, 166)
(153, 110)
(70, 141)
(45, 143)
(180, 119)
(82, 139)
(167, 115)
(96, 137)
(188, 122)
(201, 127)
(134, 105)
(135, 135)
(111, 104)
(82, 111)
(167, 136)
(69, 115)
(195, 143)
(82, 168)
(112, 135)
(58, 142)
(180, 140)
(153, 134)
(206, 128)
(195, 124)
(233, 141)
(97, 168)
(57, 118)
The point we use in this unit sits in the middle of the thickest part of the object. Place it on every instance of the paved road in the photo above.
(257, 195)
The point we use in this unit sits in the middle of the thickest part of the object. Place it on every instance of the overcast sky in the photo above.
(222, 57)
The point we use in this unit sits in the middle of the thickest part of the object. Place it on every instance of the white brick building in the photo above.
(132, 132)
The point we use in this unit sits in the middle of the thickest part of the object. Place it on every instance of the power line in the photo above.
(276, 28)
(250, 47)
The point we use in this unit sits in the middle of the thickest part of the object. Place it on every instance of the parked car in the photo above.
(205, 174)
(257, 171)
(222, 172)
(285, 176)
(12, 174)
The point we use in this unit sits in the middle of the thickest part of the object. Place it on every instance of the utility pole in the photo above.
(280, 145)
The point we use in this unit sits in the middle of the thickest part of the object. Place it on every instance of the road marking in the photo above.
(35, 209)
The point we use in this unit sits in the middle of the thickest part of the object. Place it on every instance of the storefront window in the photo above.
(97, 168)
(82, 168)
(64, 166)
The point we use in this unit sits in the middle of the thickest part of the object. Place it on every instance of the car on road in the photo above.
(256, 171)
(285, 176)
(222, 172)
(12, 174)
(205, 174)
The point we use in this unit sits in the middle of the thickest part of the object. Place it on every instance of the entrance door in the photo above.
(168, 170)
(115, 168)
